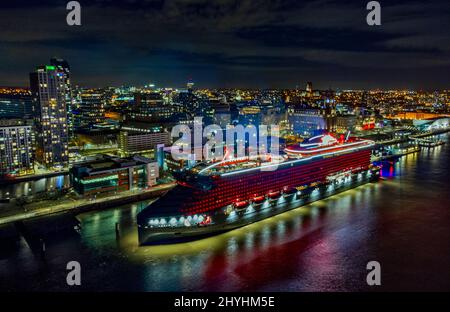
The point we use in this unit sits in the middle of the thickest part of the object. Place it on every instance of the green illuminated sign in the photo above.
(49, 67)
(99, 179)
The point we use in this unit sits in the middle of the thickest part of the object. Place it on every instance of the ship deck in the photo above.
(290, 154)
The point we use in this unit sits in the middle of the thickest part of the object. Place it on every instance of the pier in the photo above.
(427, 142)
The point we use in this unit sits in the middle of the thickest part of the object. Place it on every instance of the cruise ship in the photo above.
(212, 198)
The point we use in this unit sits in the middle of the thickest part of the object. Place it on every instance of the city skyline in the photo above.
(281, 44)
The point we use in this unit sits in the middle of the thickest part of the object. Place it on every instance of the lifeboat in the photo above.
(258, 200)
(241, 205)
(288, 192)
(274, 195)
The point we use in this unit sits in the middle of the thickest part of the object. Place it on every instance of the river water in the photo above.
(40, 186)
(403, 222)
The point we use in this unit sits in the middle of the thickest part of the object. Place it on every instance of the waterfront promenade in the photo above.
(13, 212)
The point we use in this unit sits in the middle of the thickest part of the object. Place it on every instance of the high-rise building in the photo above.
(48, 88)
(90, 110)
(16, 148)
(63, 65)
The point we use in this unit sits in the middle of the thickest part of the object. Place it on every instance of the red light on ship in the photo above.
(241, 204)
(259, 199)
(274, 195)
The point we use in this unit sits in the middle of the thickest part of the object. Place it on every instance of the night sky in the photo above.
(231, 43)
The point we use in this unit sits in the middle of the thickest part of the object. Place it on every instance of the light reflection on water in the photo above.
(199, 263)
(40, 186)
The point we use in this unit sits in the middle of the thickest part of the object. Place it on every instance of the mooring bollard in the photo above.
(42, 245)
(117, 230)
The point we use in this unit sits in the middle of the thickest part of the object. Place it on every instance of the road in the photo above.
(17, 213)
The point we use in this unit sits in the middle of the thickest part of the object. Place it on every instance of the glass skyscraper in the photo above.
(48, 87)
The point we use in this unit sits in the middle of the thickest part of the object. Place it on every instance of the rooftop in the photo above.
(109, 163)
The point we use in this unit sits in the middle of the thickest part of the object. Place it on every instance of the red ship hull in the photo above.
(181, 213)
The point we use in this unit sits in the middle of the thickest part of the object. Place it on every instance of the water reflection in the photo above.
(201, 262)
(40, 186)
